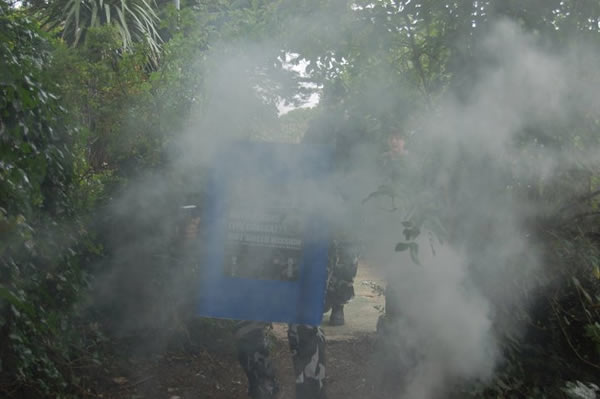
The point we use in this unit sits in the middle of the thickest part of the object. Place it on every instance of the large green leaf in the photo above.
(137, 20)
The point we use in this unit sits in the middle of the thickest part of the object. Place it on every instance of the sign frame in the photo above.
(240, 298)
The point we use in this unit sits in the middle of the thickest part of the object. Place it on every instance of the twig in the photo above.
(585, 309)
(594, 365)
(86, 393)
(585, 215)
(135, 384)
(579, 217)
(581, 198)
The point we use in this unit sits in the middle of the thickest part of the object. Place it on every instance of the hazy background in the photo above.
(465, 181)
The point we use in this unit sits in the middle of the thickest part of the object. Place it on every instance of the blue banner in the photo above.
(266, 240)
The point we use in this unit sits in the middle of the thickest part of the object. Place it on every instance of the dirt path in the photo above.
(361, 313)
(213, 371)
(348, 347)
(184, 375)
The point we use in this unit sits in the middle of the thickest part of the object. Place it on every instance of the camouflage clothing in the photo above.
(307, 343)
(342, 268)
(253, 355)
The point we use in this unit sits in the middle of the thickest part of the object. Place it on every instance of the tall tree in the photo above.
(135, 20)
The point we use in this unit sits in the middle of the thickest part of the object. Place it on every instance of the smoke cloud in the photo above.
(485, 174)
(470, 168)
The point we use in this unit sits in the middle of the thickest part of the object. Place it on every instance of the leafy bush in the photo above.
(43, 241)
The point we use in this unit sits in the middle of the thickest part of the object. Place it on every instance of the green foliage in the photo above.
(31, 116)
(592, 331)
(135, 21)
(99, 84)
(42, 238)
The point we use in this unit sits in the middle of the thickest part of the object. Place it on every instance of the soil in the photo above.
(200, 362)
(186, 374)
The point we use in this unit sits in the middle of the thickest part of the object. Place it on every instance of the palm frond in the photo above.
(136, 20)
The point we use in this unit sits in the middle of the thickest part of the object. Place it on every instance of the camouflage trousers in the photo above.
(307, 343)
(341, 270)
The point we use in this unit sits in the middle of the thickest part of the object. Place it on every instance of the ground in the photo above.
(185, 371)
(200, 362)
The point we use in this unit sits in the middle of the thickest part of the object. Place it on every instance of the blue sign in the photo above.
(266, 240)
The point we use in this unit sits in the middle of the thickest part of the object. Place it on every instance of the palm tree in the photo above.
(135, 20)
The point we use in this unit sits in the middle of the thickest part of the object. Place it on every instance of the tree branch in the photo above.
(579, 199)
